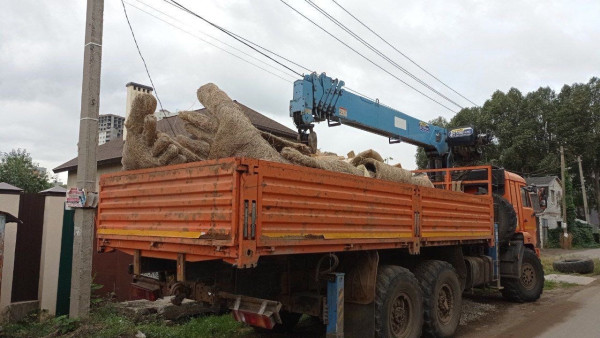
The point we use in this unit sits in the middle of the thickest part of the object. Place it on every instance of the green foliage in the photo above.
(583, 235)
(570, 202)
(64, 324)
(550, 285)
(17, 168)
(530, 128)
(106, 321)
(554, 237)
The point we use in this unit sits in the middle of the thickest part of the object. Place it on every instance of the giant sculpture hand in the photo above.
(145, 147)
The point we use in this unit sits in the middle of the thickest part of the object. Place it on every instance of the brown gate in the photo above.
(28, 248)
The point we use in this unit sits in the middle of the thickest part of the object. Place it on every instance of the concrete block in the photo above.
(579, 280)
(19, 310)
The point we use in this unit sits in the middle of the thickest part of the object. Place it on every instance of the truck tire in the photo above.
(529, 287)
(398, 303)
(581, 265)
(442, 297)
(506, 217)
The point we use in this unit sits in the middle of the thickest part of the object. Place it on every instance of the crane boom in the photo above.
(319, 98)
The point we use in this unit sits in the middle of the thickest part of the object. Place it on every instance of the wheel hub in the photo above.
(400, 315)
(445, 304)
(528, 276)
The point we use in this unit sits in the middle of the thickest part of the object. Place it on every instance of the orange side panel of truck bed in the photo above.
(239, 209)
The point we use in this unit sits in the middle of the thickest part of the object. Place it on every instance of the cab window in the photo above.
(525, 198)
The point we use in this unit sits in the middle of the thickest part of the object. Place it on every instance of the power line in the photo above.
(404, 55)
(178, 5)
(366, 58)
(210, 36)
(212, 44)
(378, 52)
(145, 66)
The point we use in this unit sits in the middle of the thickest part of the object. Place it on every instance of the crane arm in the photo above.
(320, 98)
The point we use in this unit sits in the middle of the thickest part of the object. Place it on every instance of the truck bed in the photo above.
(239, 209)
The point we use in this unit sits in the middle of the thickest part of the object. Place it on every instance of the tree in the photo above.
(17, 168)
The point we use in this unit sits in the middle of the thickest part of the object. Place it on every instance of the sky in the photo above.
(476, 47)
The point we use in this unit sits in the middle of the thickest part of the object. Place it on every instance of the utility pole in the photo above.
(564, 190)
(81, 277)
(585, 206)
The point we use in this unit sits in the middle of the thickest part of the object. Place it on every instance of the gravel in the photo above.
(471, 311)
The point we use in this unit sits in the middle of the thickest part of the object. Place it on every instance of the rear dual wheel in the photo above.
(442, 297)
(398, 303)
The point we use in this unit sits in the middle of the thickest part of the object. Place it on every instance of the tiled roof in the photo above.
(9, 187)
(541, 180)
(111, 151)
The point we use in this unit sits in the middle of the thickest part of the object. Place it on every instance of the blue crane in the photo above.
(319, 98)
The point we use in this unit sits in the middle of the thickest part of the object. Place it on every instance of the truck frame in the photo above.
(271, 241)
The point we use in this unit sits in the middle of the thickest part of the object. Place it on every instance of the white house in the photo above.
(549, 190)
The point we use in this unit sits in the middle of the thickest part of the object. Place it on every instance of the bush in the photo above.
(583, 236)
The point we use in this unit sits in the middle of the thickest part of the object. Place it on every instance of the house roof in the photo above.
(541, 180)
(9, 188)
(111, 151)
(10, 218)
(55, 190)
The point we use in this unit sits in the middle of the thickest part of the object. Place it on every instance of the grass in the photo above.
(550, 285)
(105, 321)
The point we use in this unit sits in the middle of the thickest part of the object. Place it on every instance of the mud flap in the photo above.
(359, 320)
(511, 258)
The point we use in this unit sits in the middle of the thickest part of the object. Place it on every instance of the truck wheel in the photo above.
(529, 287)
(398, 303)
(442, 297)
(506, 217)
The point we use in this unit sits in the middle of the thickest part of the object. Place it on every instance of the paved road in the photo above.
(582, 320)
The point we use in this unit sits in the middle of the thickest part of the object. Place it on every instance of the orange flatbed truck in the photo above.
(271, 241)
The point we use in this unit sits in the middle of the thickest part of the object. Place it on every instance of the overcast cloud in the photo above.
(475, 46)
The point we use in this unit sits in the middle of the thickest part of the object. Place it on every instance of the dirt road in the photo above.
(562, 312)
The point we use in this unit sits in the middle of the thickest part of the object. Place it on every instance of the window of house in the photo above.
(552, 196)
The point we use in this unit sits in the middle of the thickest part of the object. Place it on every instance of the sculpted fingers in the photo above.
(142, 106)
(197, 148)
(149, 134)
(205, 122)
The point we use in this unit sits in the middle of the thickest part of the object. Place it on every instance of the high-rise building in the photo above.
(110, 127)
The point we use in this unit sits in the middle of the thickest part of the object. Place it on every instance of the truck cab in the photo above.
(516, 192)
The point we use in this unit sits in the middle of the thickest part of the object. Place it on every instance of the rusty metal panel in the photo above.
(169, 210)
(28, 248)
(455, 215)
(300, 206)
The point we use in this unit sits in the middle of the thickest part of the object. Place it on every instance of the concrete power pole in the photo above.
(81, 278)
(564, 190)
(583, 192)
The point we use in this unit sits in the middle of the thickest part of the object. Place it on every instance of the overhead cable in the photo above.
(214, 45)
(366, 58)
(235, 36)
(146, 66)
(404, 55)
(378, 52)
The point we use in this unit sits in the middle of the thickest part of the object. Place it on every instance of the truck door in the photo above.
(527, 213)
